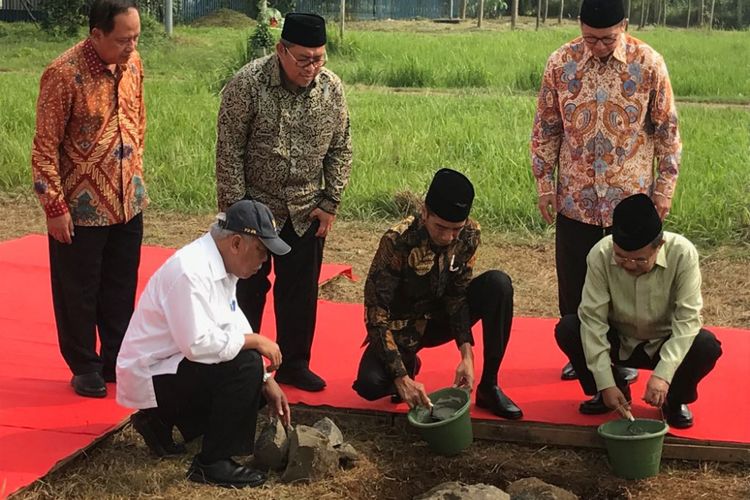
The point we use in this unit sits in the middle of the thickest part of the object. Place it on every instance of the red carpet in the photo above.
(42, 421)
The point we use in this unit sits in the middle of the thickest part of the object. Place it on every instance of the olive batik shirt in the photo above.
(412, 281)
(290, 150)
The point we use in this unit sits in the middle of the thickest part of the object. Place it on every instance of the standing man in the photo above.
(641, 308)
(190, 358)
(283, 139)
(87, 163)
(605, 117)
(420, 293)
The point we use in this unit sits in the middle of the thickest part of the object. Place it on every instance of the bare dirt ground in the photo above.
(396, 464)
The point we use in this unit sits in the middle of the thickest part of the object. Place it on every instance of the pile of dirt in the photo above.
(224, 18)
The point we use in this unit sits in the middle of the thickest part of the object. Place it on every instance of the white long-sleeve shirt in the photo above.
(188, 310)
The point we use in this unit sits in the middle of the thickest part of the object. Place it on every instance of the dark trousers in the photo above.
(93, 288)
(573, 241)
(217, 401)
(490, 298)
(295, 294)
(698, 362)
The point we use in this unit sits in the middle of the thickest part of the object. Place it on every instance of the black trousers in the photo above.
(698, 362)
(573, 241)
(94, 281)
(217, 401)
(295, 294)
(490, 298)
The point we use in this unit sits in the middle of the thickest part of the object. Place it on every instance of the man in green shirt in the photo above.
(641, 308)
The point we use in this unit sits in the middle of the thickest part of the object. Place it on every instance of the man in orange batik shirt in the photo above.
(87, 163)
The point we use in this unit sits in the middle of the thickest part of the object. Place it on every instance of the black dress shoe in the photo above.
(678, 416)
(497, 402)
(301, 378)
(568, 373)
(596, 406)
(630, 375)
(226, 473)
(90, 385)
(156, 434)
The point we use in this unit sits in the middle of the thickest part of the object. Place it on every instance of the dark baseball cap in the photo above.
(255, 219)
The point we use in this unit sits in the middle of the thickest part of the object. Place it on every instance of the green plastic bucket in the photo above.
(634, 448)
(448, 430)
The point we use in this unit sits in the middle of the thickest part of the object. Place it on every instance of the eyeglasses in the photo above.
(317, 62)
(606, 40)
(640, 261)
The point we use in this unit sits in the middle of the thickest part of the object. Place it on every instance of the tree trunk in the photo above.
(628, 10)
(687, 23)
(546, 11)
(644, 12)
(513, 14)
(562, 8)
(664, 17)
(740, 15)
(700, 17)
(480, 14)
(343, 16)
(711, 18)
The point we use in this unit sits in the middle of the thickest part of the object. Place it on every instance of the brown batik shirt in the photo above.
(87, 156)
(412, 281)
(289, 150)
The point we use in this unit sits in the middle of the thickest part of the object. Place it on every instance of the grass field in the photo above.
(473, 111)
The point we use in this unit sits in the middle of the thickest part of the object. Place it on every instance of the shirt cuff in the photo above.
(665, 370)
(545, 187)
(604, 379)
(55, 208)
(327, 205)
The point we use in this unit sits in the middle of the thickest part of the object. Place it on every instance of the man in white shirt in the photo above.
(190, 359)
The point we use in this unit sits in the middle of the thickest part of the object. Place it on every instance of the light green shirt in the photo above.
(661, 306)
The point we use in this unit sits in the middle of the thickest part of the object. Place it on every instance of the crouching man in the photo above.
(420, 293)
(190, 359)
(641, 308)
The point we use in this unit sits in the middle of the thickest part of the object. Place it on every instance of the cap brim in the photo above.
(276, 245)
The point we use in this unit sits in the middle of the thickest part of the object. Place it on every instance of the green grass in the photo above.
(401, 138)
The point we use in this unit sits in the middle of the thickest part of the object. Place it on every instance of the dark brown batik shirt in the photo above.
(289, 150)
(412, 281)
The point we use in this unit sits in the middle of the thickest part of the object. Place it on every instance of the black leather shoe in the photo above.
(497, 402)
(630, 375)
(678, 416)
(596, 406)
(226, 473)
(568, 373)
(156, 434)
(301, 378)
(90, 385)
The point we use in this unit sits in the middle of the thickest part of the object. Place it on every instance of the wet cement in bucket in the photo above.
(443, 408)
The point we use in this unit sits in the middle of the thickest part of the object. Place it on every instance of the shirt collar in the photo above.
(94, 62)
(215, 262)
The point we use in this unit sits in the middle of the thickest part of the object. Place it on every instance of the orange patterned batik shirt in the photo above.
(87, 156)
(609, 128)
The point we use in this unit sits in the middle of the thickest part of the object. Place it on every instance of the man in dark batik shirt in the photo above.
(420, 293)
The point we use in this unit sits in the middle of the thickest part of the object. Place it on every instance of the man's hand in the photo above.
(326, 221)
(465, 370)
(412, 392)
(61, 228)
(663, 205)
(278, 405)
(269, 350)
(656, 391)
(614, 399)
(548, 207)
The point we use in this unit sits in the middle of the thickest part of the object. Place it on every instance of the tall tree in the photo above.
(463, 8)
(740, 15)
(546, 11)
(711, 17)
(687, 23)
(480, 14)
(703, 9)
(562, 8)
(644, 13)
(538, 12)
(628, 9)
(513, 14)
